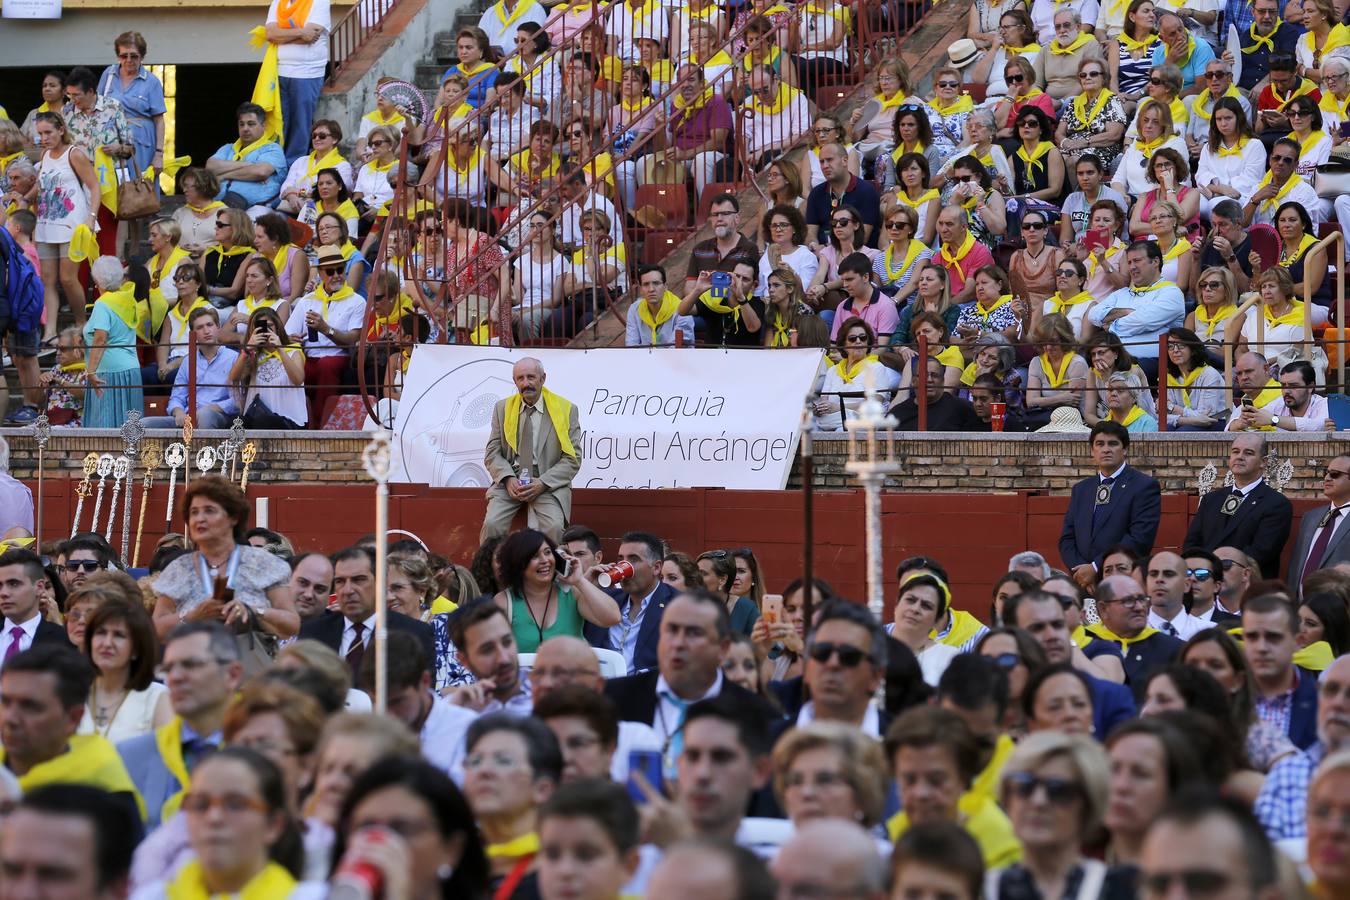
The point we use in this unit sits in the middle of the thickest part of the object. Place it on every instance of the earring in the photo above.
(444, 871)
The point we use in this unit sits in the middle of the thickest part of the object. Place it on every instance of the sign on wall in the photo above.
(651, 419)
(31, 9)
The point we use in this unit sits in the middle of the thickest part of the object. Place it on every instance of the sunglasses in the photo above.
(1059, 791)
(1090, 74)
(326, 271)
(320, 136)
(1156, 81)
(1066, 273)
(86, 565)
(222, 223)
(183, 276)
(1228, 564)
(949, 84)
(1333, 474)
(128, 56)
(1194, 883)
(842, 223)
(1300, 113)
(1215, 285)
(965, 179)
(1284, 159)
(379, 143)
(1015, 79)
(856, 339)
(1214, 76)
(1007, 660)
(1200, 575)
(897, 224)
(1025, 122)
(849, 656)
(1033, 226)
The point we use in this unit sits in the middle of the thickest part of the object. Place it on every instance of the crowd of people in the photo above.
(565, 723)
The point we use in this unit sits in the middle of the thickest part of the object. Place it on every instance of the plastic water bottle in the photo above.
(524, 479)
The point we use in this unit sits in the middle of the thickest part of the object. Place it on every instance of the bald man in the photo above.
(1251, 515)
(830, 858)
(566, 660)
(1123, 632)
(533, 452)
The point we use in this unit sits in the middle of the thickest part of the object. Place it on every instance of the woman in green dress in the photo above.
(540, 601)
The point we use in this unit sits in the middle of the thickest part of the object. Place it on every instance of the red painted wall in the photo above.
(973, 535)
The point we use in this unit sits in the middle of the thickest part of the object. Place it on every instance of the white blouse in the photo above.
(273, 385)
(885, 380)
(133, 718)
(1133, 165)
(1240, 171)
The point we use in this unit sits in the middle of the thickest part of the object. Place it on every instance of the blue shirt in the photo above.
(478, 84)
(256, 193)
(1154, 312)
(213, 379)
(623, 636)
(141, 100)
(1256, 64)
(1195, 66)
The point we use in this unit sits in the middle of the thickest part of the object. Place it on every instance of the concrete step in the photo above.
(428, 77)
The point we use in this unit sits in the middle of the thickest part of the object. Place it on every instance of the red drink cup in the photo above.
(996, 413)
(616, 572)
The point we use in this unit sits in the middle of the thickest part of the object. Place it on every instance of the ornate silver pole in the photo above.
(121, 472)
(42, 432)
(82, 490)
(105, 467)
(132, 434)
(375, 458)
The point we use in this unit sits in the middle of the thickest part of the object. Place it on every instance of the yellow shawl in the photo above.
(272, 883)
(89, 759)
(670, 304)
(559, 413)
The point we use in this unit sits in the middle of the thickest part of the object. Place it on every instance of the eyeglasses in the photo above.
(1033, 226)
(1015, 79)
(320, 136)
(1228, 564)
(856, 339)
(897, 224)
(849, 656)
(949, 84)
(379, 143)
(1066, 273)
(86, 565)
(128, 56)
(1093, 74)
(1194, 883)
(222, 223)
(777, 225)
(196, 804)
(1134, 600)
(1059, 791)
(1214, 76)
(1200, 575)
(1210, 285)
(183, 276)
(1284, 159)
(1333, 474)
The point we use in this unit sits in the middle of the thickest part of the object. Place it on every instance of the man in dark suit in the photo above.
(1321, 540)
(1123, 632)
(1252, 516)
(695, 634)
(1286, 694)
(1204, 580)
(21, 574)
(642, 599)
(1118, 505)
(350, 631)
(1041, 615)
(840, 686)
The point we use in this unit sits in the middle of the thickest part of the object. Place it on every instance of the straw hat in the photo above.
(1065, 420)
(962, 53)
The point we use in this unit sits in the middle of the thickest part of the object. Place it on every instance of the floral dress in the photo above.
(105, 124)
(1075, 129)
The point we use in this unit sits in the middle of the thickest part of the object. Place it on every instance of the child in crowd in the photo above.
(20, 225)
(64, 382)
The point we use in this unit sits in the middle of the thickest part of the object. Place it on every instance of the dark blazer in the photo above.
(1338, 550)
(1111, 704)
(1259, 528)
(50, 633)
(644, 652)
(327, 629)
(1303, 714)
(635, 696)
(1131, 518)
(1143, 658)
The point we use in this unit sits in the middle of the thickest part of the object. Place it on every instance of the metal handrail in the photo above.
(351, 32)
(1315, 252)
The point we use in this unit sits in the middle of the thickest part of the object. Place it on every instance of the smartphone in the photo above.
(1345, 129)
(562, 563)
(1247, 402)
(772, 608)
(264, 327)
(648, 762)
(1096, 239)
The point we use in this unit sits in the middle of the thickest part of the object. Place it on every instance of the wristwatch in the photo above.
(1275, 421)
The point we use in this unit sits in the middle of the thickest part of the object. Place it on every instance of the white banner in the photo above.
(31, 9)
(651, 419)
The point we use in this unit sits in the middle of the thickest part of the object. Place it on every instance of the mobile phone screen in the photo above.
(648, 762)
(562, 563)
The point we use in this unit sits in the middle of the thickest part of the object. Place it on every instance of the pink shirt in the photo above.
(978, 256)
(881, 314)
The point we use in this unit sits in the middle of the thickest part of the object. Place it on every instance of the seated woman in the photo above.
(993, 354)
(261, 289)
(1058, 699)
(877, 135)
(1077, 207)
(932, 294)
(1058, 67)
(979, 144)
(330, 229)
(1069, 300)
(1058, 376)
(785, 308)
(971, 187)
(1093, 120)
(902, 255)
(718, 571)
(827, 129)
(931, 327)
(540, 600)
(171, 348)
(372, 188)
(1196, 394)
(1169, 231)
(1305, 118)
(1038, 168)
(1276, 330)
(1217, 298)
(1156, 133)
(1022, 93)
(1017, 40)
(270, 373)
(1164, 86)
(1032, 269)
(1105, 263)
(166, 254)
(535, 277)
(325, 135)
(834, 753)
(222, 264)
(841, 393)
(1108, 356)
(924, 600)
(196, 218)
(1296, 238)
(913, 134)
(844, 238)
(1232, 161)
(912, 190)
(948, 109)
(331, 195)
(1166, 172)
(1130, 54)
(272, 237)
(783, 231)
(993, 309)
(782, 182)
(1122, 403)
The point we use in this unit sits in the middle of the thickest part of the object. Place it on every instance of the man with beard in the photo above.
(725, 248)
(487, 647)
(311, 584)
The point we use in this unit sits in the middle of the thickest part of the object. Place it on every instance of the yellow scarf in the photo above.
(6, 160)
(241, 151)
(847, 373)
(1146, 148)
(720, 58)
(749, 61)
(1202, 109)
(1339, 108)
(1033, 47)
(249, 305)
(1059, 50)
(954, 260)
(785, 94)
(1274, 202)
(1221, 315)
(325, 298)
(169, 742)
(1260, 40)
(952, 358)
(924, 198)
(644, 12)
(1179, 246)
(984, 314)
(686, 109)
(1305, 146)
(506, 18)
(203, 210)
(1131, 45)
(1269, 394)
(122, 302)
(472, 163)
(911, 253)
(1302, 248)
(523, 161)
(1134, 413)
(272, 883)
(176, 255)
(1033, 160)
(1053, 378)
(1338, 36)
(1293, 317)
(1080, 109)
(719, 306)
(559, 413)
(1101, 631)
(375, 117)
(1190, 51)
(182, 315)
(837, 12)
(670, 304)
(281, 258)
(1062, 304)
(473, 73)
(961, 104)
(1180, 115)
(1185, 383)
(781, 337)
(890, 102)
(964, 627)
(1304, 87)
(524, 845)
(89, 759)
(1235, 150)
(329, 161)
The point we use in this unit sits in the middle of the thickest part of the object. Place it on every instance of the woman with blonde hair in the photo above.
(877, 135)
(932, 294)
(1169, 230)
(783, 181)
(223, 264)
(1283, 319)
(1217, 296)
(1157, 132)
(1324, 34)
(829, 770)
(786, 304)
(1058, 375)
(411, 585)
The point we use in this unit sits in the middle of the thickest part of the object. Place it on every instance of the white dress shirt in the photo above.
(1185, 624)
(669, 717)
(1312, 419)
(871, 721)
(349, 634)
(442, 736)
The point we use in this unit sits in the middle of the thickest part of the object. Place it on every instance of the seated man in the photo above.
(653, 318)
(327, 321)
(781, 114)
(842, 188)
(1284, 85)
(1218, 83)
(216, 404)
(725, 248)
(1282, 184)
(252, 168)
(736, 317)
(1292, 405)
(958, 252)
(946, 412)
(1142, 310)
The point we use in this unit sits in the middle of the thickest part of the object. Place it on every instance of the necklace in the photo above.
(541, 621)
(103, 718)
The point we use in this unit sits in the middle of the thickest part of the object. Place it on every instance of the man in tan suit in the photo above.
(533, 453)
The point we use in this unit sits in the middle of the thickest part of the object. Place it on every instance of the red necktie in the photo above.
(17, 634)
(1319, 547)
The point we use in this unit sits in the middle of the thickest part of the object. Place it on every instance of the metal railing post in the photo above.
(921, 397)
(1162, 382)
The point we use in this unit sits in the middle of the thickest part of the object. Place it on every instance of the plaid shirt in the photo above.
(1238, 13)
(1276, 711)
(1282, 805)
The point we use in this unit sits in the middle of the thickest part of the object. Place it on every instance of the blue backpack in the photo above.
(20, 287)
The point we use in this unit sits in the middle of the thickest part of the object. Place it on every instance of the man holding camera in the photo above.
(724, 301)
